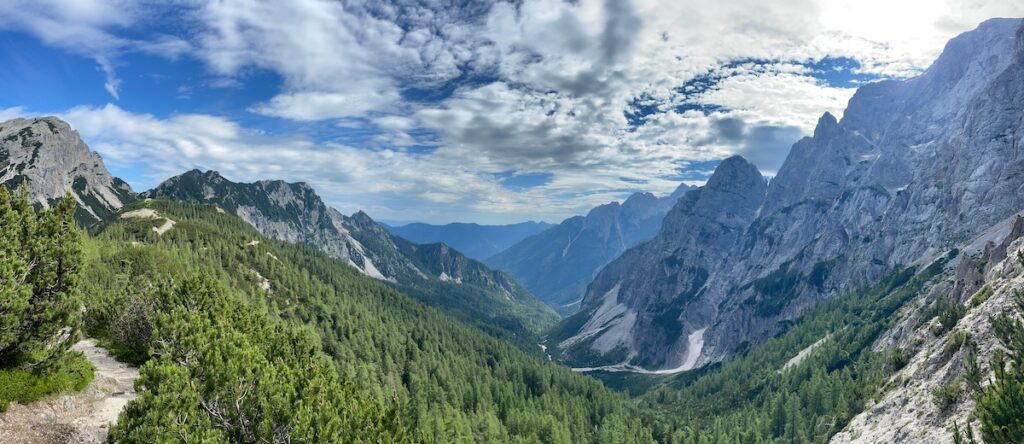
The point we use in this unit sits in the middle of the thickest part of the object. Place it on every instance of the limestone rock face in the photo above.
(914, 168)
(291, 212)
(984, 282)
(672, 269)
(49, 158)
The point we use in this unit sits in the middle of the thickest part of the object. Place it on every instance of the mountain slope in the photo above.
(558, 263)
(446, 381)
(435, 274)
(475, 241)
(50, 158)
(914, 167)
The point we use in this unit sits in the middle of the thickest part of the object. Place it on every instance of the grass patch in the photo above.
(71, 374)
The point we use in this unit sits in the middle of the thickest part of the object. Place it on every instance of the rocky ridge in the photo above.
(435, 273)
(914, 168)
(983, 282)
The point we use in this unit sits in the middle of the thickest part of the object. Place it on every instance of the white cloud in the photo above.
(13, 112)
(534, 86)
(386, 183)
(88, 28)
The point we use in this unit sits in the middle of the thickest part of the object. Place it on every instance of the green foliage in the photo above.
(897, 359)
(948, 395)
(1000, 406)
(751, 398)
(70, 372)
(972, 371)
(227, 371)
(780, 287)
(445, 381)
(40, 255)
(949, 313)
(981, 296)
(963, 436)
(953, 343)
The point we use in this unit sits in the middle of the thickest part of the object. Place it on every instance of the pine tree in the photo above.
(39, 285)
(1000, 407)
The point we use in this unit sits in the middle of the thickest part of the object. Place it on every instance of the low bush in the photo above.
(70, 373)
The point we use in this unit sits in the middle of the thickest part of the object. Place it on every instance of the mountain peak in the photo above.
(361, 215)
(735, 172)
(48, 156)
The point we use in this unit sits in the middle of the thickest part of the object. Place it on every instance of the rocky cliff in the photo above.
(49, 158)
(933, 356)
(913, 168)
(557, 264)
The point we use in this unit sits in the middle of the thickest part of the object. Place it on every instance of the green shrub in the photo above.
(40, 254)
(898, 359)
(71, 372)
(981, 296)
(947, 395)
(972, 372)
(949, 314)
(956, 340)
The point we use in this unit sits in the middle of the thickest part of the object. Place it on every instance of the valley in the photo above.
(867, 289)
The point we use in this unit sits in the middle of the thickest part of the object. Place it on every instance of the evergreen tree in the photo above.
(40, 257)
(1000, 406)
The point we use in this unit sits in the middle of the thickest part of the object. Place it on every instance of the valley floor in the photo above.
(83, 417)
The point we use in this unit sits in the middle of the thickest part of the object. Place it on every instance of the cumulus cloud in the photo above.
(13, 112)
(587, 92)
(386, 183)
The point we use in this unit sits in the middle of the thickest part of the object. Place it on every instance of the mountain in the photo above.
(215, 316)
(476, 241)
(558, 263)
(435, 274)
(914, 167)
(949, 328)
(49, 157)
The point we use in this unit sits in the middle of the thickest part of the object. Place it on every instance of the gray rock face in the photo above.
(670, 270)
(557, 264)
(984, 282)
(914, 168)
(49, 157)
(292, 212)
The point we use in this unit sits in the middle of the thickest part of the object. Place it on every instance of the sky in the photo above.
(472, 111)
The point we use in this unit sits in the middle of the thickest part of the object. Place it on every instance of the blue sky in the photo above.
(474, 111)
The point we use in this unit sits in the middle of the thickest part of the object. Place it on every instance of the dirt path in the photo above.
(82, 417)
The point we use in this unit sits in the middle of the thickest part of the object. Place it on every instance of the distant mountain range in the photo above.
(475, 241)
(558, 263)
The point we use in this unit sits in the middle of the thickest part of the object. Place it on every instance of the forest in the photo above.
(245, 339)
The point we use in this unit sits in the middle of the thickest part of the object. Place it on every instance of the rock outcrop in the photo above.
(910, 411)
(49, 158)
(914, 168)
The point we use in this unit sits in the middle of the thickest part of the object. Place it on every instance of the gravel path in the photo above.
(83, 417)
